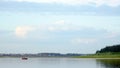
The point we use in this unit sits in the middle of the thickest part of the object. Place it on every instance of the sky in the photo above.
(58, 26)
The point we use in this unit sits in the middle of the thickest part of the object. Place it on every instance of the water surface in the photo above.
(59, 63)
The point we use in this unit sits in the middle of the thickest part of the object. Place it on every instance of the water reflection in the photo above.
(47, 63)
(109, 63)
(59, 63)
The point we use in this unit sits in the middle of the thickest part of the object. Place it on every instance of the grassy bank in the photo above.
(101, 55)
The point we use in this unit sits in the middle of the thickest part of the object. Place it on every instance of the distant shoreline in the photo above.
(42, 55)
(101, 55)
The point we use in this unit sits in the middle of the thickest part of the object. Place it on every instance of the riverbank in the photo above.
(101, 55)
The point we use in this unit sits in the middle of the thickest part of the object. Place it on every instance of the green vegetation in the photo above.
(101, 55)
(107, 52)
(114, 48)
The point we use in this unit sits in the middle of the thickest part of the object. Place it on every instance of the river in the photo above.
(59, 63)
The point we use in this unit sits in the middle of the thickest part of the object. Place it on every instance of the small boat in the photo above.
(24, 58)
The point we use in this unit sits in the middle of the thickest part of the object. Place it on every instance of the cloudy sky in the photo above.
(64, 26)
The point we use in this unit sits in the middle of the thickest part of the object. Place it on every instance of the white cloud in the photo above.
(22, 31)
(111, 35)
(61, 22)
(62, 25)
(57, 26)
(84, 40)
(112, 3)
(51, 28)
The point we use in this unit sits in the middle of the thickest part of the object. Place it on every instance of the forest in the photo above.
(113, 48)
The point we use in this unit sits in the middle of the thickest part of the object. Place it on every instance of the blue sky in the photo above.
(64, 26)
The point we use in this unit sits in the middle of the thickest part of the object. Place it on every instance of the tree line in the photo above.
(114, 48)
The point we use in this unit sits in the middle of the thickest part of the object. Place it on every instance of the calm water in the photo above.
(59, 63)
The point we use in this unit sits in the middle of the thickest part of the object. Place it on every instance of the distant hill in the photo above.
(114, 48)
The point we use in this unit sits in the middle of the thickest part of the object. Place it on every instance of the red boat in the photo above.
(24, 58)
